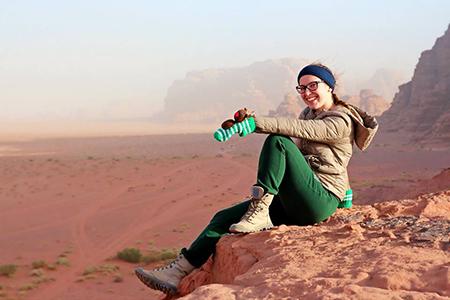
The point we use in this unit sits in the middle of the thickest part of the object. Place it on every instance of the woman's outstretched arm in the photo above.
(328, 129)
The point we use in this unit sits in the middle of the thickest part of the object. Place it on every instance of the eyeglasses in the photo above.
(312, 86)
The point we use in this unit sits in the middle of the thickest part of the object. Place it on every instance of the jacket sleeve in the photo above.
(328, 129)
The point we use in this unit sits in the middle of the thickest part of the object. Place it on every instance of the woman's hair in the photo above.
(336, 99)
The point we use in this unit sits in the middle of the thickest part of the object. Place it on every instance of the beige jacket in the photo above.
(326, 139)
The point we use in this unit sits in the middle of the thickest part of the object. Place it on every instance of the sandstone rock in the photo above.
(210, 95)
(291, 106)
(367, 100)
(385, 82)
(391, 250)
(421, 108)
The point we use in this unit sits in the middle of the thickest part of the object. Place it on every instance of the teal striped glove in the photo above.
(347, 201)
(242, 128)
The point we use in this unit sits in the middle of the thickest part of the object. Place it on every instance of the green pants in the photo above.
(300, 199)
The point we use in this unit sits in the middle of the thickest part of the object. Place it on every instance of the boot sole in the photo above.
(154, 283)
(252, 231)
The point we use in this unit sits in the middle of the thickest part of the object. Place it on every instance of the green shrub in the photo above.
(38, 264)
(37, 273)
(63, 261)
(27, 287)
(103, 269)
(7, 270)
(156, 256)
(169, 254)
(131, 255)
(44, 279)
(89, 270)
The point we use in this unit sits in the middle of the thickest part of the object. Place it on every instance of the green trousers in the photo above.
(300, 199)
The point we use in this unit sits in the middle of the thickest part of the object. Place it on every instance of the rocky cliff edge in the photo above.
(391, 250)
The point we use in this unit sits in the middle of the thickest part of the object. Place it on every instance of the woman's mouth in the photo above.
(312, 99)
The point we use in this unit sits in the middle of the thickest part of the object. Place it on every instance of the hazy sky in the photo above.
(116, 59)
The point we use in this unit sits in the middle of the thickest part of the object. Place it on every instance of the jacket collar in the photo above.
(366, 126)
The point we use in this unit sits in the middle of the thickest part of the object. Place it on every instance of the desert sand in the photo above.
(78, 201)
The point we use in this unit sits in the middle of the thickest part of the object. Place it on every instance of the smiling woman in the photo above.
(316, 87)
(299, 183)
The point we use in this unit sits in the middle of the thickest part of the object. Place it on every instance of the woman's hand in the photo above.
(243, 128)
(239, 116)
(243, 124)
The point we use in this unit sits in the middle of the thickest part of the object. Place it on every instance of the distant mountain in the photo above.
(212, 95)
(373, 104)
(291, 106)
(421, 108)
(215, 94)
(385, 83)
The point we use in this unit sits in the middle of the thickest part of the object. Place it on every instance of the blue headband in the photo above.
(320, 72)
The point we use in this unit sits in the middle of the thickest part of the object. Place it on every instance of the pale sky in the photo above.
(116, 59)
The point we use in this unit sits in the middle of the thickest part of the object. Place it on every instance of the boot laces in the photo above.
(253, 209)
(171, 265)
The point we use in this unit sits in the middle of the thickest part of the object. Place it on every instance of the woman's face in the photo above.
(315, 93)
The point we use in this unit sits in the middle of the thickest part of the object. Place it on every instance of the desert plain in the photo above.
(74, 203)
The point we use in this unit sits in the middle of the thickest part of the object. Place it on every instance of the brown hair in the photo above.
(336, 99)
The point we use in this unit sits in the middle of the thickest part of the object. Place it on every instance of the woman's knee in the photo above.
(273, 137)
(277, 139)
(230, 214)
(220, 214)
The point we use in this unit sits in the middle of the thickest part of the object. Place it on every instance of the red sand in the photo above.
(88, 198)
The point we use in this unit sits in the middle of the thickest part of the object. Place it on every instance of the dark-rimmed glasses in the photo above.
(312, 86)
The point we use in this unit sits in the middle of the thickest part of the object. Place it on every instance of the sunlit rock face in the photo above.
(396, 249)
(215, 94)
(291, 106)
(368, 101)
(421, 108)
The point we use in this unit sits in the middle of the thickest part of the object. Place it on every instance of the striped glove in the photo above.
(347, 201)
(242, 128)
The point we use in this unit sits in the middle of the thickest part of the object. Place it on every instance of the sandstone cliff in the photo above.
(385, 82)
(421, 108)
(391, 250)
(290, 107)
(209, 95)
(368, 101)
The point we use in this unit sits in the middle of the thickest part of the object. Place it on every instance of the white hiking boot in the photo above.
(166, 279)
(257, 216)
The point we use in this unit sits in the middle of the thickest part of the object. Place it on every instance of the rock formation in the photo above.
(367, 100)
(291, 106)
(385, 82)
(390, 250)
(212, 95)
(421, 108)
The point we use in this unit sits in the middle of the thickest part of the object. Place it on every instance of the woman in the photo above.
(297, 184)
